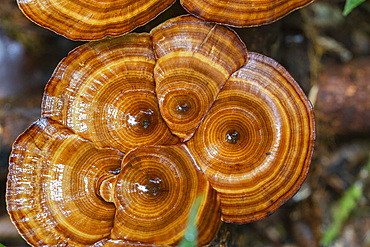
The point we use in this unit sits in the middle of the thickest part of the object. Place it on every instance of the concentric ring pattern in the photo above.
(92, 20)
(191, 68)
(255, 145)
(154, 194)
(51, 186)
(135, 128)
(242, 13)
(104, 91)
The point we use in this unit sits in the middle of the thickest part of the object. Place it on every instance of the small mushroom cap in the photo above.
(256, 142)
(104, 91)
(51, 195)
(194, 60)
(92, 20)
(242, 13)
(154, 193)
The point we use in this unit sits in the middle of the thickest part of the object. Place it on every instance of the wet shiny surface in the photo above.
(247, 131)
(92, 20)
(269, 130)
(242, 13)
(104, 91)
(191, 68)
(51, 186)
(154, 193)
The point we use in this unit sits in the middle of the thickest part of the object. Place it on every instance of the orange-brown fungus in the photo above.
(51, 186)
(192, 66)
(104, 91)
(242, 13)
(92, 20)
(194, 113)
(154, 193)
(256, 142)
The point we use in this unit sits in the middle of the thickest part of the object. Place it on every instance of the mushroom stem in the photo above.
(105, 187)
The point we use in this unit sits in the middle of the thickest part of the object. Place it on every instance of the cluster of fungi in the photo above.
(135, 128)
(91, 20)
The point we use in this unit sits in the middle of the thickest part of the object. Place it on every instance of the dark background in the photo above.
(327, 53)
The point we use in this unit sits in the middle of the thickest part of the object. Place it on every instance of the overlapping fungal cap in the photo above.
(104, 91)
(242, 13)
(92, 20)
(154, 193)
(192, 66)
(51, 187)
(247, 133)
(256, 142)
(61, 190)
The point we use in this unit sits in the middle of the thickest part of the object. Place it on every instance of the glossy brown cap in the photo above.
(194, 60)
(242, 13)
(154, 192)
(256, 142)
(247, 147)
(92, 20)
(51, 187)
(105, 92)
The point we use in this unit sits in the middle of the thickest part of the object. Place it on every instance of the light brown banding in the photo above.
(104, 91)
(154, 193)
(242, 13)
(253, 144)
(192, 65)
(51, 196)
(92, 20)
(269, 161)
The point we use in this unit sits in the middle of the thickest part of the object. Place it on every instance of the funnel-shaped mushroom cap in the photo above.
(104, 91)
(256, 142)
(51, 187)
(247, 130)
(242, 13)
(154, 193)
(194, 59)
(91, 20)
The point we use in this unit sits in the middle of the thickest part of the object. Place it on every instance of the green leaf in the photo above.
(350, 5)
(190, 238)
(345, 206)
(1, 245)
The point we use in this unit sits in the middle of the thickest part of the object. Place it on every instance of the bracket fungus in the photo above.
(242, 13)
(256, 142)
(105, 92)
(153, 195)
(191, 68)
(51, 194)
(92, 20)
(134, 128)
